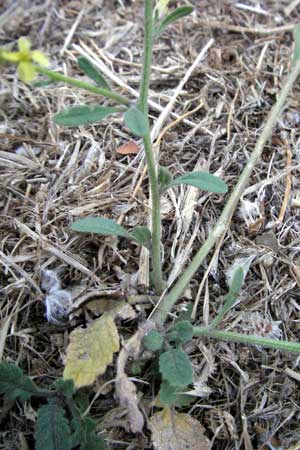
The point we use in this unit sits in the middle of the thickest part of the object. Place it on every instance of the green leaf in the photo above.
(94, 442)
(236, 283)
(14, 384)
(84, 435)
(153, 341)
(175, 367)
(52, 428)
(82, 400)
(65, 386)
(296, 54)
(83, 115)
(142, 235)
(164, 178)
(172, 17)
(234, 290)
(99, 225)
(202, 180)
(136, 121)
(172, 395)
(182, 332)
(87, 67)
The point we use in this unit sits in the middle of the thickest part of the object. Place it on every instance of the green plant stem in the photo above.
(55, 76)
(152, 172)
(163, 309)
(293, 347)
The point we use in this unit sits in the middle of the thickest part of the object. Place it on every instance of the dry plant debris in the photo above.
(50, 175)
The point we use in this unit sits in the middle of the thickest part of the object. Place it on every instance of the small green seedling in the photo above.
(61, 424)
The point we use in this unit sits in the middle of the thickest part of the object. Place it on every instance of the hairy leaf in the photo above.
(172, 17)
(90, 351)
(99, 225)
(87, 67)
(142, 235)
(153, 341)
(181, 332)
(175, 367)
(136, 121)
(83, 115)
(177, 431)
(52, 428)
(14, 384)
(171, 395)
(202, 180)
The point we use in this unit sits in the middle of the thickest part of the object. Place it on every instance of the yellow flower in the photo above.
(25, 59)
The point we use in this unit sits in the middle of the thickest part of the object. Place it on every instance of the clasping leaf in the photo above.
(136, 121)
(201, 180)
(142, 235)
(83, 115)
(172, 17)
(99, 225)
(87, 67)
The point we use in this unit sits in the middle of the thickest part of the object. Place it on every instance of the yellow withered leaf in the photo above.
(177, 431)
(90, 351)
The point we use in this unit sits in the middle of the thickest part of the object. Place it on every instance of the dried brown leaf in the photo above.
(177, 431)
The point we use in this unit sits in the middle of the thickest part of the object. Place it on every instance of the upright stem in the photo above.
(152, 173)
(222, 224)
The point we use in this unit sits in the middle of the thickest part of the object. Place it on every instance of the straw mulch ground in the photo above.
(248, 397)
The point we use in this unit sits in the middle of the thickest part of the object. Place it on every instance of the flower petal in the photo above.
(26, 72)
(24, 44)
(10, 56)
(39, 58)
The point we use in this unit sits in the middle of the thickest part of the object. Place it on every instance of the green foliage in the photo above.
(136, 121)
(230, 298)
(108, 227)
(172, 395)
(14, 384)
(65, 386)
(59, 423)
(201, 180)
(84, 435)
(164, 178)
(99, 225)
(175, 367)
(87, 67)
(83, 115)
(153, 341)
(181, 332)
(52, 428)
(236, 284)
(172, 17)
(142, 235)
